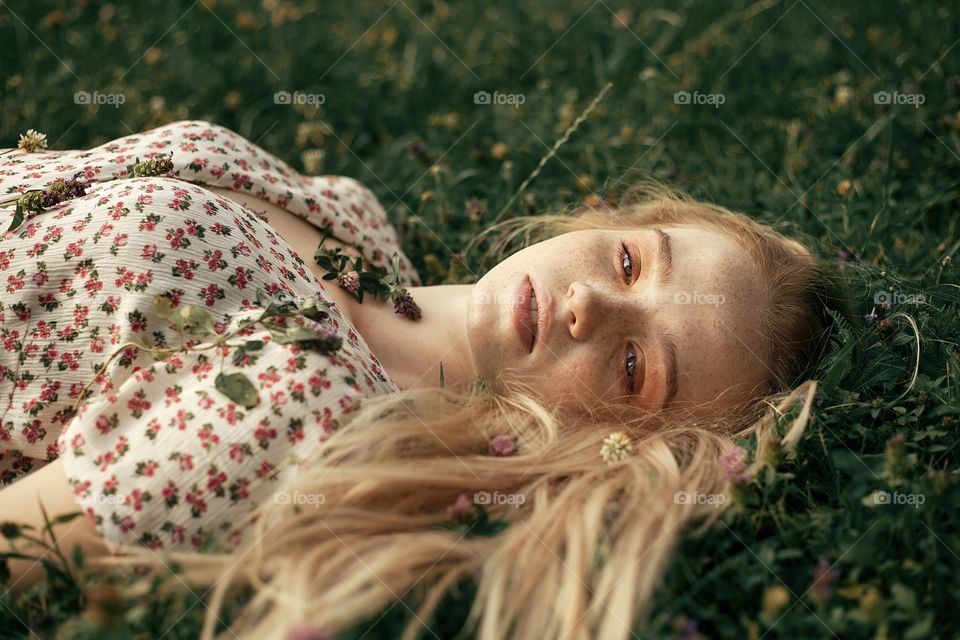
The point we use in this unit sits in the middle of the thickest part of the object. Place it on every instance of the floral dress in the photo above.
(129, 345)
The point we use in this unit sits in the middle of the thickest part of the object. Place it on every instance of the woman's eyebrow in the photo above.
(666, 345)
(664, 257)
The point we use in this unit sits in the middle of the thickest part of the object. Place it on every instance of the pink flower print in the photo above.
(15, 283)
(93, 286)
(264, 434)
(105, 425)
(212, 293)
(135, 498)
(110, 486)
(184, 268)
(147, 468)
(215, 481)
(138, 404)
(40, 278)
(198, 505)
(126, 524)
(170, 494)
(207, 436)
(264, 469)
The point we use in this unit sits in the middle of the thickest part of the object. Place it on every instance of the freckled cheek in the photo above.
(573, 379)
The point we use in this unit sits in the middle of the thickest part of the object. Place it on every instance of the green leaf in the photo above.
(78, 557)
(18, 218)
(238, 388)
(67, 517)
(163, 307)
(194, 320)
(921, 628)
(441, 376)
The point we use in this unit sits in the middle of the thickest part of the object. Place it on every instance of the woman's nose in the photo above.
(586, 308)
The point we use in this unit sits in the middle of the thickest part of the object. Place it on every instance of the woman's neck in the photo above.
(411, 351)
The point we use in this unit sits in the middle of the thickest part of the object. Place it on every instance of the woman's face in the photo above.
(668, 324)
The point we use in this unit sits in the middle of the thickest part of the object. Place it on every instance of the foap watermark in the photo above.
(685, 97)
(887, 299)
(113, 99)
(112, 499)
(696, 297)
(500, 297)
(299, 97)
(486, 498)
(895, 97)
(298, 498)
(884, 498)
(695, 497)
(485, 97)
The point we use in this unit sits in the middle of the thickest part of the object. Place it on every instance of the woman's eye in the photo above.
(631, 368)
(626, 262)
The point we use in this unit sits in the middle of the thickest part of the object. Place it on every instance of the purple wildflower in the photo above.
(403, 303)
(462, 509)
(475, 209)
(308, 632)
(872, 316)
(732, 462)
(823, 578)
(690, 630)
(502, 446)
(60, 190)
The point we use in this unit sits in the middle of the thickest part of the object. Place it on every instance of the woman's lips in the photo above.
(521, 314)
(544, 312)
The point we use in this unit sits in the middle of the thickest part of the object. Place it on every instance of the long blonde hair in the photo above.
(583, 554)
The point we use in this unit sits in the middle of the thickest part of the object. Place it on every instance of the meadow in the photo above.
(838, 123)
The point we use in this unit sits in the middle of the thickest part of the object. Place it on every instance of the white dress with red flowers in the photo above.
(157, 454)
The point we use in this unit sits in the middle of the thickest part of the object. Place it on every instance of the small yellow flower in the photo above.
(616, 447)
(844, 187)
(775, 598)
(32, 141)
(499, 151)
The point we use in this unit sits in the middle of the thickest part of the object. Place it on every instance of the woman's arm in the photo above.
(20, 503)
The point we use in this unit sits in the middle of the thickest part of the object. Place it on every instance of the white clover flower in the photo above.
(616, 447)
(32, 141)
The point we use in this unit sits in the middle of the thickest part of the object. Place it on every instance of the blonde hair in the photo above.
(584, 553)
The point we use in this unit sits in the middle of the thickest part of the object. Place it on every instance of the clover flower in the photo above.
(616, 447)
(32, 141)
(56, 192)
(462, 509)
(732, 462)
(152, 167)
(349, 281)
(403, 303)
(502, 446)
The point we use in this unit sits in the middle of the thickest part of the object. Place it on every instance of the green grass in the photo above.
(798, 141)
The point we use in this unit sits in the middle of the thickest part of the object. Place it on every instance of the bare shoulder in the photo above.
(304, 238)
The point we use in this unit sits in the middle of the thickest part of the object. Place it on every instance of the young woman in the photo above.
(618, 359)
